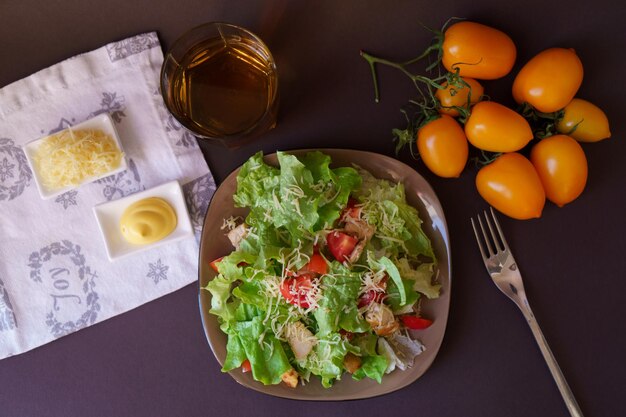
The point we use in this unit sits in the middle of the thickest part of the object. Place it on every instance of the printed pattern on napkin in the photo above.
(55, 277)
(131, 46)
(15, 174)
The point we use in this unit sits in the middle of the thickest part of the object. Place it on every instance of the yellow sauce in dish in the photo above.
(147, 221)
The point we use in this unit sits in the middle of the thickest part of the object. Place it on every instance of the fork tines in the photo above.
(492, 242)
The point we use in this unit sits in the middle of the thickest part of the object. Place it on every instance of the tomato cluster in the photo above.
(547, 127)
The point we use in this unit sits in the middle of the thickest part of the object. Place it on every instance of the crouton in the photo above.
(290, 378)
(351, 362)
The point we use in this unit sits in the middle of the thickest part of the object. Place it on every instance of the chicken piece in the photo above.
(381, 318)
(238, 234)
(290, 378)
(360, 228)
(363, 231)
(300, 339)
(399, 350)
(405, 347)
(351, 362)
(357, 251)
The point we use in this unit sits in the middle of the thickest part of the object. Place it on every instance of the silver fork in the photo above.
(505, 274)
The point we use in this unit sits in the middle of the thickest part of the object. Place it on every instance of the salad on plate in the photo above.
(327, 274)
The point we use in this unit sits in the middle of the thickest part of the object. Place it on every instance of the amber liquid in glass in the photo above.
(224, 88)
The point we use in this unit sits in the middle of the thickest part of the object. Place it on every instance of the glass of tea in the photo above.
(220, 82)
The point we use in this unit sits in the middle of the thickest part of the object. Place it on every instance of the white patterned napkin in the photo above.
(54, 274)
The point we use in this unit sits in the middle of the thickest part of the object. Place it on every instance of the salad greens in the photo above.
(326, 265)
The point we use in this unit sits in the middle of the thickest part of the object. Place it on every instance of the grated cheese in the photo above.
(231, 223)
(371, 281)
(70, 157)
(296, 204)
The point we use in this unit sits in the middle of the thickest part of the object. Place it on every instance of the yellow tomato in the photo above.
(496, 128)
(562, 167)
(443, 147)
(512, 186)
(479, 51)
(550, 80)
(452, 96)
(588, 122)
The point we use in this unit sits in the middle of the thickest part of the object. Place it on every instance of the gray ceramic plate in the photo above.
(419, 194)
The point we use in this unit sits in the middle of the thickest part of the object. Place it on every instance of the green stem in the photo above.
(372, 63)
(373, 60)
(434, 47)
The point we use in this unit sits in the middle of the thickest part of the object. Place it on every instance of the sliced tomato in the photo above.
(245, 366)
(374, 295)
(370, 297)
(351, 210)
(317, 264)
(341, 245)
(346, 334)
(215, 262)
(296, 289)
(415, 322)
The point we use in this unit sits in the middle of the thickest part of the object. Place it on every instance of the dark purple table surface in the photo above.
(155, 361)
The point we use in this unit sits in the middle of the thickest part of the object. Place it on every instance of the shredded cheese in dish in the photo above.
(70, 157)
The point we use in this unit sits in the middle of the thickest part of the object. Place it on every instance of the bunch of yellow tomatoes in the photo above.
(456, 112)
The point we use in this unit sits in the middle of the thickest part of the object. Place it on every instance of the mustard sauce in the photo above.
(147, 221)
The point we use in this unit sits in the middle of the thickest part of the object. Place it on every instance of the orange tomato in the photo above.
(452, 96)
(588, 122)
(550, 80)
(562, 166)
(512, 186)
(479, 51)
(443, 147)
(496, 128)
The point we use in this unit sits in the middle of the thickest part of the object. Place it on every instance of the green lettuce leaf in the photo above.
(255, 181)
(389, 267)
(373, 366)
(337, 308)
(398, 226)
(250, 292)
(365, 343)
(219, 287)
(252, 341)
(235, 353)
(298, 202)
(319, 166)
(231, 266)
(333, 185)
(394, 300)
(326, 359)
(289, 204)
(421, 277)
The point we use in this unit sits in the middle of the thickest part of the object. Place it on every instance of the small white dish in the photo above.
(102, 122)
(109, 214)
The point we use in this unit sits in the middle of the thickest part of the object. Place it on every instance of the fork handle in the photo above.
(561, 383)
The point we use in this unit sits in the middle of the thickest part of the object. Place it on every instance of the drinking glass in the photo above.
(220, 82)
